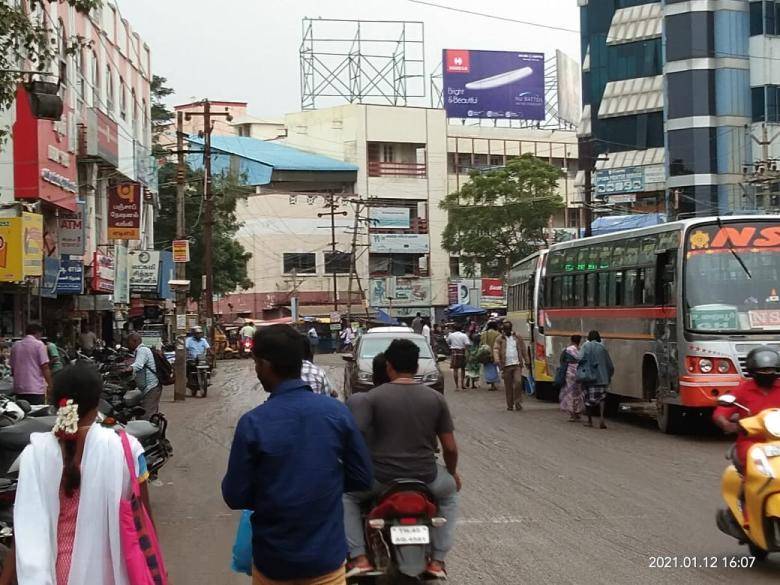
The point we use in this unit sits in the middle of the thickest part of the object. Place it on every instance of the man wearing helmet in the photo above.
(757, 393)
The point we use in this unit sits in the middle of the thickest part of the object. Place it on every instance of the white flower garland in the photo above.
(67, 424)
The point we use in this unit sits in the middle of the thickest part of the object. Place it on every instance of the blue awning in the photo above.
(464, 311)
(383, 317)
(609, 224)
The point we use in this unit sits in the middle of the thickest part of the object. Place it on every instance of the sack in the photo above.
(140, 548)
(165, 372)
(484, 354)
(586, 373)
(242, 547)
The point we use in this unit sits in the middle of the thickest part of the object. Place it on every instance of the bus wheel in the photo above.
(670, 418)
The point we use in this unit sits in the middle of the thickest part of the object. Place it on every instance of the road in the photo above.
(544, 500)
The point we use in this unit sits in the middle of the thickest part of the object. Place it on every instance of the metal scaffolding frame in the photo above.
(361, 60)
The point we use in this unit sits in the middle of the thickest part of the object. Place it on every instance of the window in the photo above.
(480, 160)
(122, 99)
(692, 151)
(632, 132)
(496, 160)
(648, 286)
(631, 60)
(454, 266)
(109, 90)
(556, 292)
(691, 93)
(567, 294)
(81, 67)
(756, 19)
(300, 263)
(464, 162)
(615, 291)
(603, 295)
(689, 35)
(96, 96)
(579, 291)
(338, 262)
(630, 288)
(591, 289)
(388, 153)
(758, 103)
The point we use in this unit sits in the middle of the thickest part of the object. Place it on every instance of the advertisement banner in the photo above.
(71, 231)
(102, 137)
(122, 281)
(102, 273)
(493, 84)
(167, 274)
(459, 292)
(71, 277)
(11, 267)
(493, 294)
(625, 180)
(408, 292)
(399, 243)
(51, 272)
(181, 251)
(124, 212)
(389, 217)
(144, 271)
(32, 224)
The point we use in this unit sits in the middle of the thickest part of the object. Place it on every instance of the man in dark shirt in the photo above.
(292, 459)
(403, 420)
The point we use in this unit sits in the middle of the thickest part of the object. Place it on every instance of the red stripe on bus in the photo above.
(615, 312)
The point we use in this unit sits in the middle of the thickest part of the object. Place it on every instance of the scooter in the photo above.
(247, 343)
(753, 513)
(398, 533)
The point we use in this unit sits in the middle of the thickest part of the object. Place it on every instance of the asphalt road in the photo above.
(544, 500)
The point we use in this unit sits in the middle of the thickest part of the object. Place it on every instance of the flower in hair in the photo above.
(67, 425)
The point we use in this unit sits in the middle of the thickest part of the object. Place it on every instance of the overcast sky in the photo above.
(247, 50)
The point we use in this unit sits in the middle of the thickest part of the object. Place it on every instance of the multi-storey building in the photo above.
(673, 93)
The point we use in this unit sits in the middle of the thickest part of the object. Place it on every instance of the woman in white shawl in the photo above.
(71, 480)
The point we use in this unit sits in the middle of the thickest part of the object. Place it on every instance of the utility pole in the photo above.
(180, 386)
(332, 205)
(765, 171)
(208, 213)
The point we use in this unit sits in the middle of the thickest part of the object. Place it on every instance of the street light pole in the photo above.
(180, 384)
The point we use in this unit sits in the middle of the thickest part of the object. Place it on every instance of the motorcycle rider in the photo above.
(401, 421)
(196, 346)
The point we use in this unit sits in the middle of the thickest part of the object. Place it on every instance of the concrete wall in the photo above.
(7, 157)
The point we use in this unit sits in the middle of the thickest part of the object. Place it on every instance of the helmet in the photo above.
(762, 358)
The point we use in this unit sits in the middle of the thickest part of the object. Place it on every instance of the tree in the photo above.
(162, 115)
(499, 216)
(230, 266)
(28, 40)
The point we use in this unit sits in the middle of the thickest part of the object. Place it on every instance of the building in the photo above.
(672, 92)
(89, 176)
(240, 122)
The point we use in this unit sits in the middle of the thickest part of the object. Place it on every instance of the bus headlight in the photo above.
(705, 366)
(772, 423)
(724, 366)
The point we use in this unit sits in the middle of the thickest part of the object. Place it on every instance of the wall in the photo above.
(7, 158)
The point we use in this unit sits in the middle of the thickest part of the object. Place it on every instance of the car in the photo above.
(358, 367)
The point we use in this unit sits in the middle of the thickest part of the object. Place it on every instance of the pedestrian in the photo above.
(458, 342)
(314, 375)
(347, 338)
(596, 362)
(248, 331)
(314, 338)
(426, 331)
(509, 354)
(572, 396)
(291, 460)
(71, 482)
(87, 340)
(406, 451)
(472, 362)
(417, 324)
(55, 361)
(145, 371)
(30, 366)
(490, 369)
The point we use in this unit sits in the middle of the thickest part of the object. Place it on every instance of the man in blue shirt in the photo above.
(292, 459)
(196, 344)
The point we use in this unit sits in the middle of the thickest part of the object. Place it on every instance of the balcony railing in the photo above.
(396, 169)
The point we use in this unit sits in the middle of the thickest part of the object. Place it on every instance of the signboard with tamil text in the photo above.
(181, 251)
(71, 277)
(71, 231)
(144, 271)
(124, 212)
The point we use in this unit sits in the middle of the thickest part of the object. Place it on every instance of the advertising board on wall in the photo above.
(399, 243)
(493, 84)
(51, 273)
(103, 273)
(493, 294)
(71, 277)
(102, 137)
(628, 179)
(389, 217)
(124, 212)
(181, 251)
(32, 236)
(144, 271)
(71, 231)
(408, 292)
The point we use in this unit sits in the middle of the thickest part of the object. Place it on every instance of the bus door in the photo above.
(666, 323)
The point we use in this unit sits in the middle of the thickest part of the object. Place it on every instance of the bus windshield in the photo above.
(723, 294)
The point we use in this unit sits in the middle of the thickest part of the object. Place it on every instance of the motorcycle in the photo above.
(198, 375)
(398, 532)
(247, 343)
(753, 499)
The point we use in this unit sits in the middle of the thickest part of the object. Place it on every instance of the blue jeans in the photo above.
(444, 490)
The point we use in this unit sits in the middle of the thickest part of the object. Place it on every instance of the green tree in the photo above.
(230, 257)
(162, 115)
(28, 39)
(499, 216)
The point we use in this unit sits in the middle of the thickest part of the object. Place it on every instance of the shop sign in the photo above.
(625, 180)
(144, 271)
(399, 243)
(458, 292)
(124, 212)
(181, 251)
(71, 231)
(389, 217)
(493, 294)
(167, 274)
(11, 249)
(102, 137)
(70, 280)
(122, 280)
(103, 273)
(32, 226)
(410, 292)
(51, 273)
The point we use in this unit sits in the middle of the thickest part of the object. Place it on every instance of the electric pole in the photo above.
(180, 386)
(765, 172)
(332, 205)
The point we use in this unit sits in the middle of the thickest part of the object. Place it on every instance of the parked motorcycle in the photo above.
(398, 532)
(753, 500)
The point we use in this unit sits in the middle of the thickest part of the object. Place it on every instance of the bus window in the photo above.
(631, 255)
(618, 255)
(630, 288)
(647, 251)
(570, 260)
(583, 256)
(591, 289)
(666, 277)
(555, 263)
(556, 292)
(604, 256)
(579, 291)
(529, 294)
(647, 276)
(615, 288)
(567, 292)
(603, 281)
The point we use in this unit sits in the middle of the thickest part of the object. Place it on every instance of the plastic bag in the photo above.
(242, 547)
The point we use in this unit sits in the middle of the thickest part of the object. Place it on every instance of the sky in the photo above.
(248, 50)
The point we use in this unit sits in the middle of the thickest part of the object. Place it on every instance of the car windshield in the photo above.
(732, 278)
(370, 346)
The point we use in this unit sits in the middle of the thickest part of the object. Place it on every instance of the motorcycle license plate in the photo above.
(409, 535)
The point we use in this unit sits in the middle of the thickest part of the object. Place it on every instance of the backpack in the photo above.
(165, 372)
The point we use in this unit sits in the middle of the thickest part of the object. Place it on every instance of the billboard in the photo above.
(493, 84)
(71, 277)
(103, 273)
(493, 294)
(124, 212)
(409, 292)
(389, 217)
(144, 270)
(569, 88)
(399, 243)
(71, 231)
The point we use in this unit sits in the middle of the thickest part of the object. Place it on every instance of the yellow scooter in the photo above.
(753, 513)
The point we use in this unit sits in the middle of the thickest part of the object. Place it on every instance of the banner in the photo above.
(122, 281)
(399, 243)
(493, 294)
(410, 292)
(181, 251)
(389, 217)
(124, 212)
(71, 231)
(102, 273)
(51, 273)
(493, 84)
(32, 224)
(144, 271)
(71, 277)
(11, 268)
